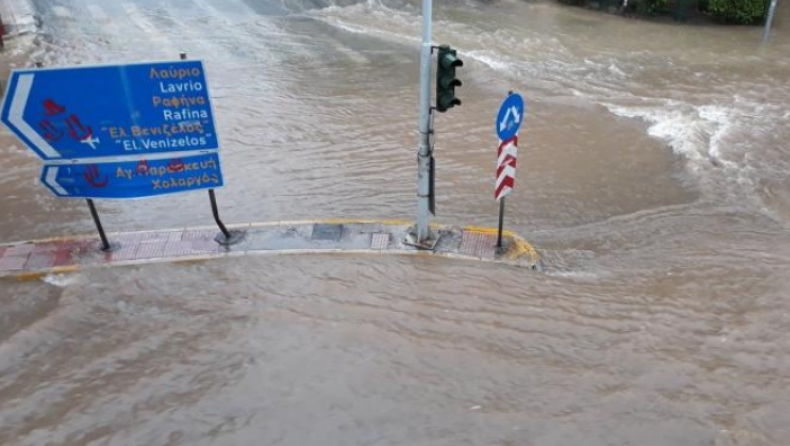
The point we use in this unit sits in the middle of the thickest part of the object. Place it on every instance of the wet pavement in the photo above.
(34, 258)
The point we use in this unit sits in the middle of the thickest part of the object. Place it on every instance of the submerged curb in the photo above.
(30, 260)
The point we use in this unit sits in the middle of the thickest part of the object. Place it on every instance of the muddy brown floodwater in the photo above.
(653, 176)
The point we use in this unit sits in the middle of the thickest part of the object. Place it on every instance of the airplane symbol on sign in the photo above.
(91, 141)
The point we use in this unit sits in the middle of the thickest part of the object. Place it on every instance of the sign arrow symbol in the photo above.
(516, 116)
(505, 121)
(503, 124)
(16, 116)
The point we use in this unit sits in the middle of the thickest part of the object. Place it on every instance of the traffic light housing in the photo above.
(446, 79)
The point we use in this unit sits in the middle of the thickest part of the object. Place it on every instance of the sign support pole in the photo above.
(501, 223)
(508, 121)
(105, 243)
(215, 211)
(225, 237)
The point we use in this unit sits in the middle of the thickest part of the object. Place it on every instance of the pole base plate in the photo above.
(428, 244)
(113, 247)
(235, 237)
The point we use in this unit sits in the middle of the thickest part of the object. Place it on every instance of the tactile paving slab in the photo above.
(478, 244)
(380, 241)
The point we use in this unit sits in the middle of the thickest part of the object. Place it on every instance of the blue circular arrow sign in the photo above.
(510, 116)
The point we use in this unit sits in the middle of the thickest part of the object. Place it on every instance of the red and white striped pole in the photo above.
(506, 168)
(505, 178)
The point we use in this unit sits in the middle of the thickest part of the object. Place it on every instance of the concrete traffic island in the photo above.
(33, 259)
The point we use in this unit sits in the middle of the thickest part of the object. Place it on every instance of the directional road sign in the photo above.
(89, 112)
(133, 179)
(510, 116)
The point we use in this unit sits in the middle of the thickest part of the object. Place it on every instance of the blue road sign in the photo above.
(110, 111)
(133, 179)
(510, 115)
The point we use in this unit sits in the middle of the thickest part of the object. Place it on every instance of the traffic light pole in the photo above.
(421, 235)
(769, 20)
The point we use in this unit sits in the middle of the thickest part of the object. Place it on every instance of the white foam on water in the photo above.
(144, 24)
(371, 18)
(491, 59)
(579, 275)
(733, 147)
(614, 69)
(63, 280)
(62, 11)
(18, 16)
(235, 11)
(723, 123)
(694, 132)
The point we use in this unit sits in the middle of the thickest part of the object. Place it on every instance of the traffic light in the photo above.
(446, 81)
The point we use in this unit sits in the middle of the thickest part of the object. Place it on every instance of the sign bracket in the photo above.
(105, 244)
(225, 237)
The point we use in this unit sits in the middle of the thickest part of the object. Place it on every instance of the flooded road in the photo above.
(653, 175)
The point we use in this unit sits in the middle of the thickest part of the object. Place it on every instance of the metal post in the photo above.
(769, 21)
(422, 231)
(105, 244)
(228, 238)
(501, 222)
(215, 211)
